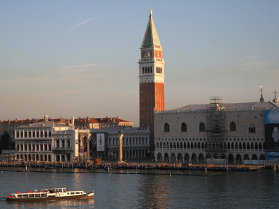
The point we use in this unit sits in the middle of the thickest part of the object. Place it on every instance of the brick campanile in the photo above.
(151, 78)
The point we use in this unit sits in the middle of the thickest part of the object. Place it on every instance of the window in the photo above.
(68, 142)
(252, 128)
(45, 134)
(17, 134)
(232, 126)
(34, 134)
(49, 147)
(183, 127)
(21, 134)
(202, 127)
(29, 133)
(25, 134)
(57, 143)
(49, 134)
(159, 70)
(166, 127)
(42, 134)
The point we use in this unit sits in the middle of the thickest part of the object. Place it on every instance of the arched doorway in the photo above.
(187, 158)
(246, 157)
(159, 157)
(194, 158)
(238, 159)
(201, 158)
(231, 159)
(166, 158)
(179, 158)
(262, 157)
(254, 157)
(173, 158)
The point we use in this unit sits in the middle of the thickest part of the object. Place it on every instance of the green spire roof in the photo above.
(150, 37)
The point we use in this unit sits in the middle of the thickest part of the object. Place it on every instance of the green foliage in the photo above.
(4, 141)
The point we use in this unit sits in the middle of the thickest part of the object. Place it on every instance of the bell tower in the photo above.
(151, 78)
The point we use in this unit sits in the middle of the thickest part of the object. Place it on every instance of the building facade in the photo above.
(216, 132)
(135, 144)
(151, 78)
(45, 141)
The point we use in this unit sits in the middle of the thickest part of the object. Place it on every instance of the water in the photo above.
(150, 189)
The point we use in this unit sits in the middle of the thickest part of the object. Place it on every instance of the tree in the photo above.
(4, 141)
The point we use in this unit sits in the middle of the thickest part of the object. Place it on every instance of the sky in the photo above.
(80, 58)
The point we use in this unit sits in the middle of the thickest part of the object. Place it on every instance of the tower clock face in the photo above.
(147, 54)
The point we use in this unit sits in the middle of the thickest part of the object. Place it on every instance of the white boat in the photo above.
(49, 194)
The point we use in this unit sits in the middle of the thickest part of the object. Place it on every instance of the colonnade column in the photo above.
(120, 146)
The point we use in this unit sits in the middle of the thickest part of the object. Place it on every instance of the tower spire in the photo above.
(151, 38)
(275, 100)
(261, 90)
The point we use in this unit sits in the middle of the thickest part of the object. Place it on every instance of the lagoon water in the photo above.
(147, 189)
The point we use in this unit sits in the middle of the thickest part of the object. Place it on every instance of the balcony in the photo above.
(62, 149)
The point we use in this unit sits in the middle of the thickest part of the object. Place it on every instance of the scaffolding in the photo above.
(216, 129)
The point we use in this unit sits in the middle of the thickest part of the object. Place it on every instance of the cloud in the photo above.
(84, 22)
(79, 67)
(253, 62)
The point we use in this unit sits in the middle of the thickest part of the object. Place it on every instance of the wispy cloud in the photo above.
(253, 62)
(78, 67)
(84, 22)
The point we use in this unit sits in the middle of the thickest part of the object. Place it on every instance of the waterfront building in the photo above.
(10, 125)
(216, 132)
(45, 141)
(135, 144)
(151, 78)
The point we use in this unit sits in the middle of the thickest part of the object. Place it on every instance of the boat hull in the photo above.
(84, 196)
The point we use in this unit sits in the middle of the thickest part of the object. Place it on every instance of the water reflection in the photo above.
(154, 192)
(88, 203)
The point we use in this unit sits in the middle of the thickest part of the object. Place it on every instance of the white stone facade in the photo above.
(43, 141)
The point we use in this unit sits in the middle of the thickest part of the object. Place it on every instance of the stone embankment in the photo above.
(138, 165)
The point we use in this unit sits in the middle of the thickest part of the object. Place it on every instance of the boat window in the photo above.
(72, 193)
(43, 195)
(31, 195)
(19, 196)
(37, 195)
(25, 195)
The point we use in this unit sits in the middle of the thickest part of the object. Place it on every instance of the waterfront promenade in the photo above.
(139, 165)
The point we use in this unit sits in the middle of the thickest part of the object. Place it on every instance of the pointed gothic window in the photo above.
(232, 126)
(166, 127)
(202, 127)
(252, 128)
(183, 127)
